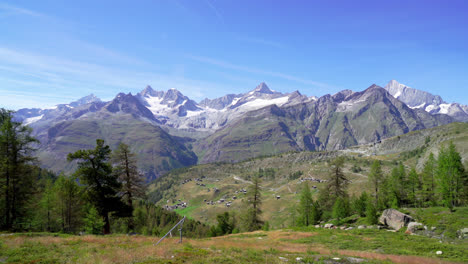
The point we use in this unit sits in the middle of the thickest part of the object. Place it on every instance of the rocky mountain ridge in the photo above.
(433, 104)
(230, 128)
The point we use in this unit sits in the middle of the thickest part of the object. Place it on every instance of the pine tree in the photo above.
(339, 209)
(413, 186)
(450, 176)
(428, 180)
(93, 222)
(359, 204)
(305, 209)
(338, 182)
(70, 202)
(102, 186)
(251, 219)
(132, 181)
(396, 183)
(126, 169)
(15, 170)
(371, 213)
(375, 178)
(47, 203)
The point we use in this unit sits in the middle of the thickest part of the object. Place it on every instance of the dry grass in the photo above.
(141, 249)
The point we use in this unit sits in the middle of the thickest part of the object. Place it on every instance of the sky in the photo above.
(55, 52)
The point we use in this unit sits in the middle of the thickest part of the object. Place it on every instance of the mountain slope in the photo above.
(124, 119)
(332, 122)
(283, 174)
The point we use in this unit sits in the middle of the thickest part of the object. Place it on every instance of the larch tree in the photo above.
(428, 180)
(376, 178)
(15, 173)
(338, 182)
(125, 167)
(70, 203)
(451, 176)
(306, 207)
(251, 218)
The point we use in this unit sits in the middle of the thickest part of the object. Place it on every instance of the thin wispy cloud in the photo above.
(215, 10)
(30, 72)
(259, 41)
(15, 10)
(232, 66)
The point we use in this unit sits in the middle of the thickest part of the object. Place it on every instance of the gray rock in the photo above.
(463, 233)
(361, 227)
(355, 260)
(329, 226)
(414, 226)
(395, 219)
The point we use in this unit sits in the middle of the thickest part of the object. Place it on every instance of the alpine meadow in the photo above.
(276, 132)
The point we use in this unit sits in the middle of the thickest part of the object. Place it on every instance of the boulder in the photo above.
(395, 219)
(463, 233)
(413, 226)
(361, 227)
(328, 226)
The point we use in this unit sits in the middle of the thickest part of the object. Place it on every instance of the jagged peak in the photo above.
(262, 88)
(85, 100)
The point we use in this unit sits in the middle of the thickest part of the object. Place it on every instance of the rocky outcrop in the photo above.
(395, 219)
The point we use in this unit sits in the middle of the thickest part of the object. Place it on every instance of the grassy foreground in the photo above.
(279, 246)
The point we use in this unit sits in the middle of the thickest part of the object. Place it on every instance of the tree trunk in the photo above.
(106, 224)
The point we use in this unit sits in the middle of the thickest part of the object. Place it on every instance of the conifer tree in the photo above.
(376, 178)
(451, 176)
(306, 207)
(95, 172)
(126, 169)
(338, 182)
(15, 170)
(251, 218)
(428, 180)
(413, 186)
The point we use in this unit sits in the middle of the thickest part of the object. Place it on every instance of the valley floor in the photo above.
(280, 246)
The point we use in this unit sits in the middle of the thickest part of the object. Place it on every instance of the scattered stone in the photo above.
(336, 258)
(299, 259)
(283, 259)
(361, 227)
(349, 228)
(317, 226)
(439, 252)
(355, 260)
(463, 233)
(342, 227)
(413, 227)
(425, 227)
(395, 219)
(433, 228)
(329, 226)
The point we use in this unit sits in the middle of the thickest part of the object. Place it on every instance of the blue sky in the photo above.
(57, 51)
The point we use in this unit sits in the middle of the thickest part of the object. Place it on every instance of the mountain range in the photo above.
(168, 130)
